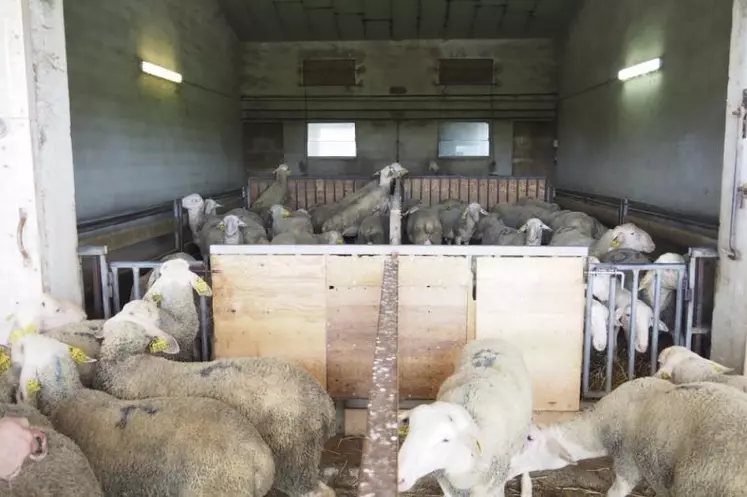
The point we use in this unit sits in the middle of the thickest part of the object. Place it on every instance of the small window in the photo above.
(464, 139)
(331, 140)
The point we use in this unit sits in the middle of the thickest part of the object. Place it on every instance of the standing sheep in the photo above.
(480, 420)
(291, 410)
(467, 223)
(277, 193)
(374, 229)
(423, 226)
(172, 293)
(153, 447)
(147, 279)
(195, 206)
(682, 440)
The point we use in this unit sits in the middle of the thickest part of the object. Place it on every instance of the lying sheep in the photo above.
(285, 221)
(681, 365)
(479, 421)
(626, 235)
(328, 238)
(581, 221)
(158, 446)
(496, 233)
(423, 226)
(682, 440)
(57, 467)
(644, 319)
(172, 293)
(516, 215)
(292, 411)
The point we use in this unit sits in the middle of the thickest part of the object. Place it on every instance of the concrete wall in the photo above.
(138, 140)
(658, 139)
(524, 88)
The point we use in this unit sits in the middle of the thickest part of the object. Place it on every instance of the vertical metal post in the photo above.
(611, 334)
(116, 302)
(587, 331)
(178, 225)
(106, 287)
(136, 283)
(632, 337)
(657, 318)
(678, 308)
(689, 313)
(622, 212)
(98, 288)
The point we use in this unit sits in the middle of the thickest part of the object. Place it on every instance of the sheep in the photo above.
(571, 236)
(467, 223)
(172, 292)
(231, 227)
(58, 466)
(480, 419)
(156, 446)
(533, 232)
(626, 235)
(248, 217)
(292, 411)
(600, 314)
(515, 216)
(557, 220)
(147, 279)
(277, 193)
(195, 206)
(682, 440)
(347, 219)
(449, 215)
(600, 281)
(681, 365)
(644, 318)
(669, 283)
(523, 201)
(285, 221)
(423, 226)
(211, 207)
(374, 229)
(494, 232)
(327, 238)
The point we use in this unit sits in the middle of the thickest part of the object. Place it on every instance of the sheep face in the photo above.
(599, 321)
(231, 225)
(177, 270)
(644, 320)
(211, 206)
(193, 202)
(333, 238)
(468, 222)
(534, 228)
(631, 236)
(282, 168)
(57, 312)
(441, 436)
(672, 357)
(145, 336)
(543, 451)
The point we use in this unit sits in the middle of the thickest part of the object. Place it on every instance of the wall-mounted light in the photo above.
(160, 72)
(639, 69)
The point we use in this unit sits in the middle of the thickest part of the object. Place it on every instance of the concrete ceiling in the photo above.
(336, 20)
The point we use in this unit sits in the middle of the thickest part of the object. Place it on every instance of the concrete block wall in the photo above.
(525, 68)
(658, 139)
(139, 140)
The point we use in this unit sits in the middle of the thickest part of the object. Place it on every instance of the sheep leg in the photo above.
(321, 490)
(627, 477)
(526, 485)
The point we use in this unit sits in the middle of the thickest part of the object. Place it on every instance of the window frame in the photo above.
(467, 157)
(336, 157)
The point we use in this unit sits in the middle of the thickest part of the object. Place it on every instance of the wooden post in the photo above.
(379, 461)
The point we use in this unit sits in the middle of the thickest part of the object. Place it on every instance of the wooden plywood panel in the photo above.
(353, 295)
(433, 294)
(537, 303)
(271, 306)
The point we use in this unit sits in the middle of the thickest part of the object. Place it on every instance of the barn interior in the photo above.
(524, 93)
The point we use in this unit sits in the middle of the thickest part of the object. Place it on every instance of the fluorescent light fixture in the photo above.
(160, 72)
(639, 69)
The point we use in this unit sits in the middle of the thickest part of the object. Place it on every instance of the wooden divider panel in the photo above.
(271, 305)
(433, 292)
(537, 303)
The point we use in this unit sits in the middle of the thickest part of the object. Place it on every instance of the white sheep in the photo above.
(479, 421)
(211, 207)
(196, 216)
(681, 365)
(600, 314)
(292, 411)
(644, 319)
(467, 223)
(157, 446)
(669, 282)
(172, 293)
(285, 221)
(571, 236)
(423, 226)
(682, 440)
(231, 227)
(277, 193)
(626, 235)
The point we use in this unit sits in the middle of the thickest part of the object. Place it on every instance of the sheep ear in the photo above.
(484, 212)
(242, 224)
(79, 356)
(464, 214)
(523, 229)
(377, 173)
(559, 450)
(200, 286)
(719, 368)
(663, 374)
(662, 325)
(411, 210)
(164, 343)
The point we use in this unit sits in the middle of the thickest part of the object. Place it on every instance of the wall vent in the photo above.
(328, 72)
(465, 72)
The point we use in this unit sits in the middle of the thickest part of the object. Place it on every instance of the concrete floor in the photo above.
(342, 456)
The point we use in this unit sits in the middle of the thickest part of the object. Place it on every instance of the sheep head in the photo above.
(543, 450)
(193, 202)
(38, 356)
(282, 169)
(534, 228)
(672, 357)
(59, 312)
(145, 336)
(211, 206)
(231, 225)
(390, 172)
(441, 436)
(599, 325)
(333, 238)
(644, 320)
(468, 222)
(177, 271)
(631, 236)
(279, 212)
(433, 167)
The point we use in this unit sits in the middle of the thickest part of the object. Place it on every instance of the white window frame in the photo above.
(330, 155)
(489, 140)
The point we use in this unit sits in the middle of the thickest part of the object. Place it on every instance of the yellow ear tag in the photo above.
(156, 298)
(28, 330)
(403, 430)
(479, 447)
(464, 215)
(664, 376)
(32, 386)
(201, 287)
(158, 345)
(5, 362)
(615, 243)
(340, 241)
(286, 214)
(715, 369)
(221, 227)
(78, 355)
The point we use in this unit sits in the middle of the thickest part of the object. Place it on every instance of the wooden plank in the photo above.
(271, 306)
(353, 297)
(433, 295)
(537, 303)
